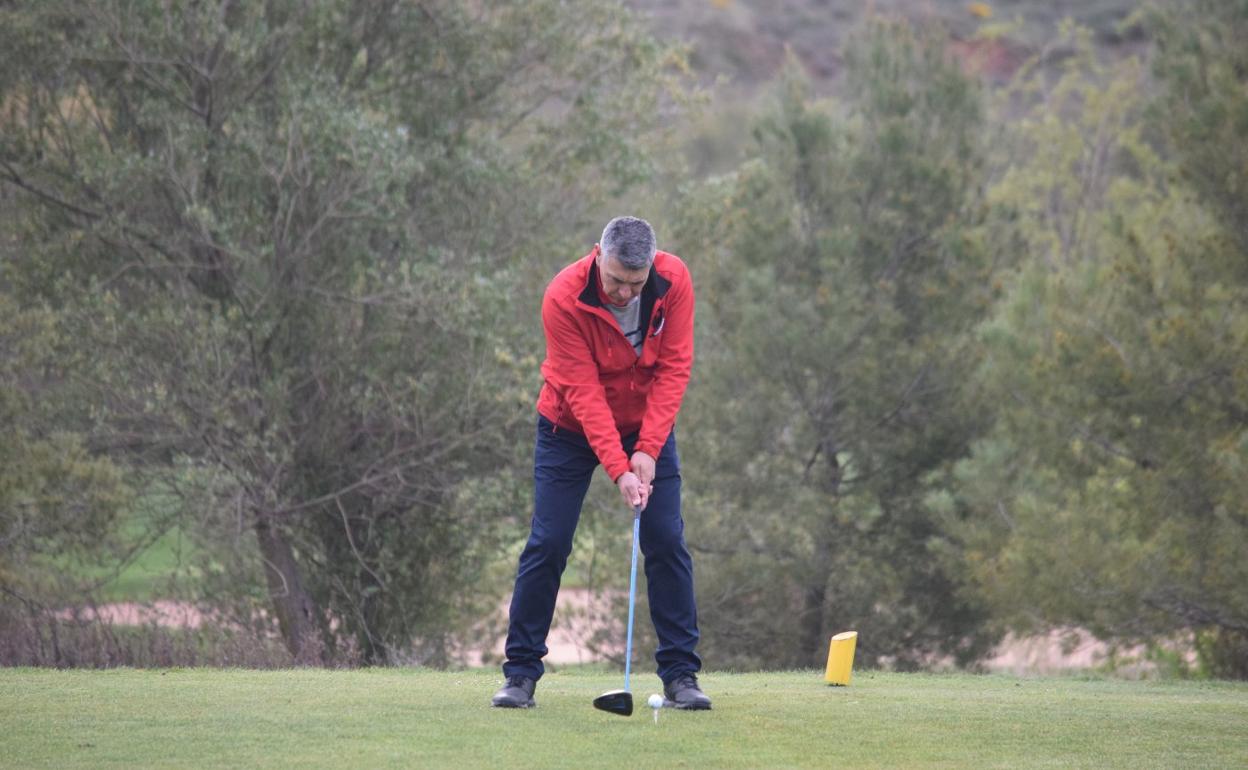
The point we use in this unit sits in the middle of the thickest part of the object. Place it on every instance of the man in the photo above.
(619, 349)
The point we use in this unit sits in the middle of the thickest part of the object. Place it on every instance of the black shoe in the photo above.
(683, 693)
(516, 694)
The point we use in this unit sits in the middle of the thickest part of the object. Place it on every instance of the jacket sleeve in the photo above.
(674, 366)
(571, 370)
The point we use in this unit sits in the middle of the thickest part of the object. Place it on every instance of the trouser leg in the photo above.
(669, 571)
(562, 468)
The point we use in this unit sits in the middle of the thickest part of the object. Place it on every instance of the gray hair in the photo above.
(629, 240)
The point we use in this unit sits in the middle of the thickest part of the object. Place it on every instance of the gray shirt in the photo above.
(629, 319)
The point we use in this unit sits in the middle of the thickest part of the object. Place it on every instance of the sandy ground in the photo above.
(163, 612)
(579, 614)
(1068, 650)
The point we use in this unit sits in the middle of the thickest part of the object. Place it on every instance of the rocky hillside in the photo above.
(743, 41)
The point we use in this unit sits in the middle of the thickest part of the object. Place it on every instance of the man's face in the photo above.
(620, 284)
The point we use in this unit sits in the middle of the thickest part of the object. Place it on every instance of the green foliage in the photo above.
(1203, 64)
(1109, 493)
(281, 242)
(56, 496)
(841, 282)
(268, 279)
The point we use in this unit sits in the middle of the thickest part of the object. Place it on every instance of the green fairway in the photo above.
(419, 718)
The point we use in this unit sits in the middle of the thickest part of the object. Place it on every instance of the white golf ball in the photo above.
(655, 701)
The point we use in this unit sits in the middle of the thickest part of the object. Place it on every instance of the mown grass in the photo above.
(153, 572)
(419, 718)
(149, 557)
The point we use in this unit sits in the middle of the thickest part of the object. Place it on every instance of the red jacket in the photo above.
(594, 384)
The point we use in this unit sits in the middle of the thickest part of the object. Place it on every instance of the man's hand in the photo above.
(635, 493)
(643, 465)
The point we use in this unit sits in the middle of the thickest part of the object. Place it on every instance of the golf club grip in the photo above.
(632, 599)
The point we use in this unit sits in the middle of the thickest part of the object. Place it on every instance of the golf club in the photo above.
(621, 701)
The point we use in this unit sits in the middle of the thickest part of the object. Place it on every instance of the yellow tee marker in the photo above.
(841, 658)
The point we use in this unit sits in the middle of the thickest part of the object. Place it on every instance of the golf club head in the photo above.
(616, 702)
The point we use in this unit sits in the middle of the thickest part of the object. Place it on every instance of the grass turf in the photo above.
(420, 718)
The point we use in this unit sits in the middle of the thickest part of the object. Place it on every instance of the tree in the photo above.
(283, 239)
(837, 295)
(55, 497)
(1109, 494)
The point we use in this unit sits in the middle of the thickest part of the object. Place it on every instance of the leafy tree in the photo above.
(1109, 494)
(56, 498)
(282, 240)
(840, 283)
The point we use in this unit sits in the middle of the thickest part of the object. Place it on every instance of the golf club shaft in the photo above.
(632, 596)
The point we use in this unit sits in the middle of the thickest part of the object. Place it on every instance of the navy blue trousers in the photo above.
(563, 465)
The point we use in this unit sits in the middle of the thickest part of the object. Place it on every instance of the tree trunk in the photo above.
(814, 611)
(815, 599)
(296, 612)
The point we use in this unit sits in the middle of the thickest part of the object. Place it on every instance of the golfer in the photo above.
(619, 348)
